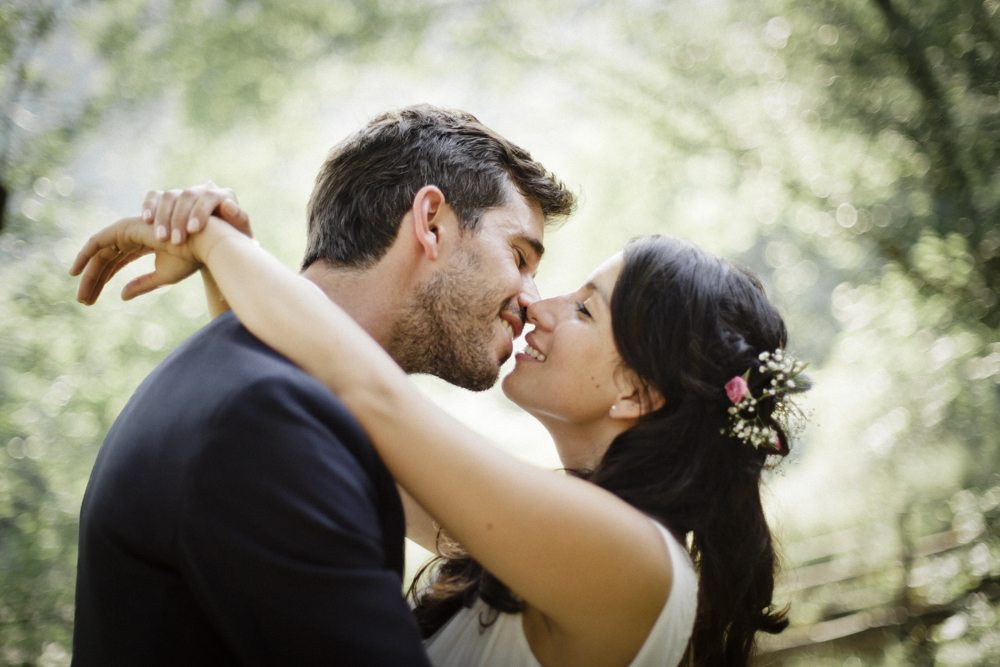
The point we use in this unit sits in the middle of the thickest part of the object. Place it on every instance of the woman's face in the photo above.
(570, 371)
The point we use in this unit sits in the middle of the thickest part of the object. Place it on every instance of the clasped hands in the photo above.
(169, 220)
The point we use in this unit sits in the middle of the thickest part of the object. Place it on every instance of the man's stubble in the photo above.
(448, 328)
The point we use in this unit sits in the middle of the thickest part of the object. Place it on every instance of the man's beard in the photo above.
(446, 329)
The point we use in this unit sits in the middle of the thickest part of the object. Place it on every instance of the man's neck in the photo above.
(362, 293)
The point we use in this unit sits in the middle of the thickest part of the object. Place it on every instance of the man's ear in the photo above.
(641, 401)
(428, 208)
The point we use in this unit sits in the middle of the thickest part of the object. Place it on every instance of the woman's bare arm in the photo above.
(420, 527)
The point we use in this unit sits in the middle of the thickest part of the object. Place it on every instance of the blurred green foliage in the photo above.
(847, 150)
(236, 58)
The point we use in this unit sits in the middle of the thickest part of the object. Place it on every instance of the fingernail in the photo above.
(161, 233)
(147, 215)
(192, 225)
(175, 237)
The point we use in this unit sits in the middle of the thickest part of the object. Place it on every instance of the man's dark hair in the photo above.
(369, 180)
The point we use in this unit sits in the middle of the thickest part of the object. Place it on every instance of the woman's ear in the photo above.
(641, 401)
(427, 209)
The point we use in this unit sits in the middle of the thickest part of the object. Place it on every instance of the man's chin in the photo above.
(484, 382)
(473, 379)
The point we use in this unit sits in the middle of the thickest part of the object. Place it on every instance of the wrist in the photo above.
(215, 232)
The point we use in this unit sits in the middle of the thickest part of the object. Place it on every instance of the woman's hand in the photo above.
(176, 213)
(106, 252)
(125, 241)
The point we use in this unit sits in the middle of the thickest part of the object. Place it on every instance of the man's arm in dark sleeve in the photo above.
(282, 541)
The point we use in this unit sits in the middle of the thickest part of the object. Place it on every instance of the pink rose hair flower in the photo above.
(737, 389)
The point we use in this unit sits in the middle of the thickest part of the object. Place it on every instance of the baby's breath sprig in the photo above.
(746, 423)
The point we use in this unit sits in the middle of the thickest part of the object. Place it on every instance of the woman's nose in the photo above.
(543, 313)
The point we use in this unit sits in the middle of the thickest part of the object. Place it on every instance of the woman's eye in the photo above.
(522, 260)
(582, 309)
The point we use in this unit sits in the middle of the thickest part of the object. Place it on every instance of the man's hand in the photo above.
(121, 243)
(176, 213)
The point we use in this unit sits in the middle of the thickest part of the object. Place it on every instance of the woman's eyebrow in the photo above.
(600, 292)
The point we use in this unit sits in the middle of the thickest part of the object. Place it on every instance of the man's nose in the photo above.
(529, 292)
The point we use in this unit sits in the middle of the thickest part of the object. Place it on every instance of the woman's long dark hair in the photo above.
(686, 323)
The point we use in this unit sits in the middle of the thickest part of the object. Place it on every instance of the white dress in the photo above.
(462, 642)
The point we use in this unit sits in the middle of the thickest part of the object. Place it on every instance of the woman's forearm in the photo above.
(420, 527)
(216, 302)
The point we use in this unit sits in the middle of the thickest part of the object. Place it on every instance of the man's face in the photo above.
(462, 321)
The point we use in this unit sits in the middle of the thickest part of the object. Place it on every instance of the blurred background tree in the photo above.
(847, 151)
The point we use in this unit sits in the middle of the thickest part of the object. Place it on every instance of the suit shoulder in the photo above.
(224, 363)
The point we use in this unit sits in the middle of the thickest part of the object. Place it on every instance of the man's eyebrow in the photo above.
(535, 244)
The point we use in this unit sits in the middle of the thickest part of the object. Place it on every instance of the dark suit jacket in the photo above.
(237, 514)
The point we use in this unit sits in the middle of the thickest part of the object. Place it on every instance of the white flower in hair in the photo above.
(746, 424)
